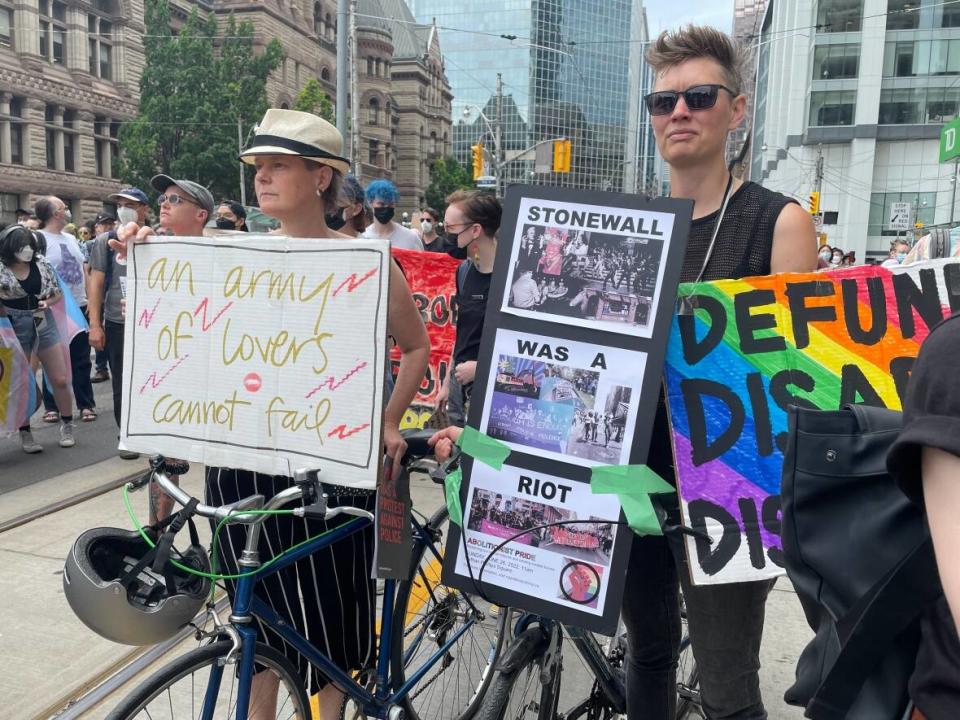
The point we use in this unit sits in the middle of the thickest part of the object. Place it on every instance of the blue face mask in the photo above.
(901, 257)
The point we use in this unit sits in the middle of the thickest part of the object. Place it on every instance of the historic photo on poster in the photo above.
(567, 564)
(566, 400)
(587, 265)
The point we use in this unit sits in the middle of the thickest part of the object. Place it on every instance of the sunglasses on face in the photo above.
(698, 97)
(174, 199)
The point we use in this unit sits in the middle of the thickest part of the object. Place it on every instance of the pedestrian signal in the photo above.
(814, 202)
(562, 150)
(477, 151)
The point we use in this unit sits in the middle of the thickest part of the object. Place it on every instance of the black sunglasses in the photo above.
(698, 97)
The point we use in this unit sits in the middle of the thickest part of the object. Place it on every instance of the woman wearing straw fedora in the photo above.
(299, 171)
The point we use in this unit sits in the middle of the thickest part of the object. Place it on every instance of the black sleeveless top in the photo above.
(743, 247)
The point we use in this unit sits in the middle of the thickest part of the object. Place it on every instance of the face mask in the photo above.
(127, 215)
(25, 254)
(426, 226)
(67, 215)
(335, 221)
(837, 259)
(901, 257)
(225, 224)
(383, 214)
(825, 256)
(453, 248)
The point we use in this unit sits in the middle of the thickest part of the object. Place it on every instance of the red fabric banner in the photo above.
(432, 281)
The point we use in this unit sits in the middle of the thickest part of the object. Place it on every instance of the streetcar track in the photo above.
(67, 502)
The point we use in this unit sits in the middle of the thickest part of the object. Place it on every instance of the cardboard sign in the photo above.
(432, 281)
(568, 376)
(267, 354)
(755, 346)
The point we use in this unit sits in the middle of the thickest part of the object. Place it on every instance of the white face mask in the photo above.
(426, 226)
(25, 254)
(826, 255)
(127, 215)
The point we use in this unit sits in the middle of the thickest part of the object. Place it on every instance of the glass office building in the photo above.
(569, 69)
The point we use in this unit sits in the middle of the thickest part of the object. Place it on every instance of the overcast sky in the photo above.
(664, 14)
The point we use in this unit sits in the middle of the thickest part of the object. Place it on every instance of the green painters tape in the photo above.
(483, 448)
(632, 484)
(451, 488)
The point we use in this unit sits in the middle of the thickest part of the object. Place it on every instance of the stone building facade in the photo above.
(70, 69)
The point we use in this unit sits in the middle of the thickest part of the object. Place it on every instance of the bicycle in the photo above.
(529, 671)
(436, 645)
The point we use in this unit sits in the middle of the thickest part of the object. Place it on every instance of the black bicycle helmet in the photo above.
(118, 588)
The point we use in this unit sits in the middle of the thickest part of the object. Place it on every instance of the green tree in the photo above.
(446, 175)
(196, 88)
(314, 99)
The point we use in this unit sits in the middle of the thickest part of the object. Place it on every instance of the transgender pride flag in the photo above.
(18, 388)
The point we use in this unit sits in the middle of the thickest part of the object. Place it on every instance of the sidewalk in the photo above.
(51, 656)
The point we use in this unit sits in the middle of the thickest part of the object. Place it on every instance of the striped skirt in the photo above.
(338, 607)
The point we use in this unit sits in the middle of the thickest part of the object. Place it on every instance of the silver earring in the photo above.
(320, 192)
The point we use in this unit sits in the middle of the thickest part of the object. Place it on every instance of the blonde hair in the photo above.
(673, 47)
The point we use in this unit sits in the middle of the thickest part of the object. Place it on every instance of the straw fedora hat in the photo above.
(291, 132)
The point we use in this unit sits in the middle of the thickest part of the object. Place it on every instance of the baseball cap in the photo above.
(198, 192)
(131, 193)
(104, 218)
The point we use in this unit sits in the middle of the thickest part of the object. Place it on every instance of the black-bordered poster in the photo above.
(568, 565)
(562, 399)
(587, 265)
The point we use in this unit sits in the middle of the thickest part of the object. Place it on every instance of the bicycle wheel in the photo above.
(688, 683)
(427, 614)
(518, 691)
(179, 690)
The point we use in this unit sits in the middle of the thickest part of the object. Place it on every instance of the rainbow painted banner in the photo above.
(750, 348)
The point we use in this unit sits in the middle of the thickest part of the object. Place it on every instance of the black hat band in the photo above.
(303, 149)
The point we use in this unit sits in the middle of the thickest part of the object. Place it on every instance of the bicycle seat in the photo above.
(417, 446)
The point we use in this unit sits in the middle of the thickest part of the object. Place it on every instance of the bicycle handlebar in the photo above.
(306, 485)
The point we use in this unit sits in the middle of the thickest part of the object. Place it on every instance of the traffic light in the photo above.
(814, 202)
(562, 150)
(477, 154)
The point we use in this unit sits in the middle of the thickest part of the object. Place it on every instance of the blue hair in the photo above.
(383, 190)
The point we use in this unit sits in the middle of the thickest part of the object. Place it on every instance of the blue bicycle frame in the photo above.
(246, 605)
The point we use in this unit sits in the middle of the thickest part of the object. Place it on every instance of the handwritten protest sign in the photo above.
(266, 354)
(432, 281)
(755, 346)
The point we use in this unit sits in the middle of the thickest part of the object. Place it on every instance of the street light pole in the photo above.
(498, 138)
(953, 203)
(343, 12)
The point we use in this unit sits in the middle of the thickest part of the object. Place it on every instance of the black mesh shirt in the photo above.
(744, 243)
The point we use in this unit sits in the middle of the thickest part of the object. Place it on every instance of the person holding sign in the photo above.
(739, 229)
(299, 168)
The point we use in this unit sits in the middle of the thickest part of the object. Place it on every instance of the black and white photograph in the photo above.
(599, 279)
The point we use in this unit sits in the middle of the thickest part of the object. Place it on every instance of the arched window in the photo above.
(324, 74)
(374, 117)
(433, 142)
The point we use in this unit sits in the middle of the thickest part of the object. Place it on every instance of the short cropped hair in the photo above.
(384, 191)
(480, 207)
(673, 47)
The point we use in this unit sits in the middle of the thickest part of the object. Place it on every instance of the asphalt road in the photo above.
(96, 441)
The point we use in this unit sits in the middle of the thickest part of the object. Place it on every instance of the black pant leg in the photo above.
(80, 367)
(114, 333)
(651, 613)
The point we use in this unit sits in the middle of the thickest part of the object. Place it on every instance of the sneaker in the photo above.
(128, 454)
(29, 445)
(66, 435)
(101, 375)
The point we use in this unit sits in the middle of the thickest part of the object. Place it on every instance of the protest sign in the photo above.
(267, 354)
(564, 399)
(567, 380)
(588, 265)
(432, 281)
(570, 562)
(756, 345)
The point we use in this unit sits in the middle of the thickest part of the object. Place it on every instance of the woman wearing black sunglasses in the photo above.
(739, 229)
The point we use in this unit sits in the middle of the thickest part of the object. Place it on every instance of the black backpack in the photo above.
(861, 560)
